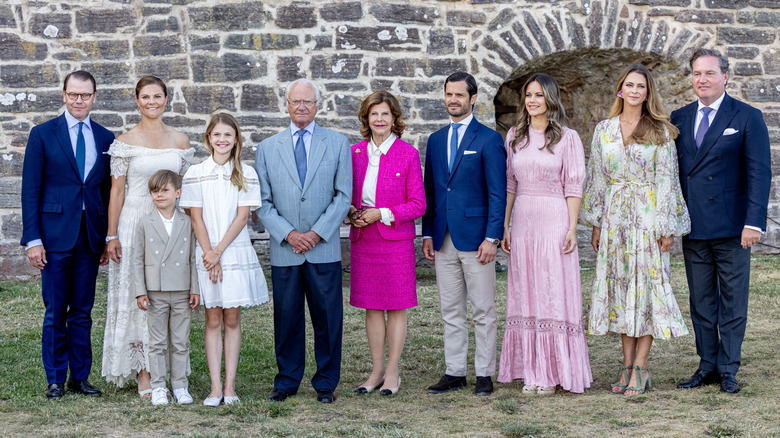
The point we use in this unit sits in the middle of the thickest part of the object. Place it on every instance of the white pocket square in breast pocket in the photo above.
(469, 152)
(730, 131)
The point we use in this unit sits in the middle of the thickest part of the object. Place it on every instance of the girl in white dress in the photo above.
(136, 155)
(220, 192)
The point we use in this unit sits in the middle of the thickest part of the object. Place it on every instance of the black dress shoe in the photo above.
(55, 391)
(699, 378)
(484, 386)
(728, 383)
(277, 395)
(447, 384)
(325, 396)
(83, 387)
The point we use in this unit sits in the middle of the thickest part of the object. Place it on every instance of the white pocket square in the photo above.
(730, 131)
(469, 152)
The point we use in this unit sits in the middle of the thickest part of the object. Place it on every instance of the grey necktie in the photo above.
(704, 125)
(300, 156)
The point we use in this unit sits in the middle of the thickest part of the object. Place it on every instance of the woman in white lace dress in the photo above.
(135, 155)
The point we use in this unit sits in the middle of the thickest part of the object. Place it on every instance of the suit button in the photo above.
(163, 264)
(185, 239)
(177, 264)
(303, 199)
(449, 189)
(157, 252)
(709, 178)
(151, 240)
(720, 156)
(689, 178)
(181, 251)
(711, 199)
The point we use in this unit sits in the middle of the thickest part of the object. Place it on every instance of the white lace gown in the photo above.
(126, 334)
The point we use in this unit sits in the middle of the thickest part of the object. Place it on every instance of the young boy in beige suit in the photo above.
(166, 281)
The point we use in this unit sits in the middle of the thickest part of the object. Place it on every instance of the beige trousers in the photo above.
(168, 318)
(460, 276)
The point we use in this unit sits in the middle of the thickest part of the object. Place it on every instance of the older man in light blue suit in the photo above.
(306, 181)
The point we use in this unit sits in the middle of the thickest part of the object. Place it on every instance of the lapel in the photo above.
(468, 138)
(159, 228)
(689, 136)
(288, 155)
(359, 168)
(316, 152)
(63, 137)
(715, 131)
(178, 225)
(381, 177)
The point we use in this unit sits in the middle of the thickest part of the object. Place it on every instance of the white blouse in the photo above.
(368, 198)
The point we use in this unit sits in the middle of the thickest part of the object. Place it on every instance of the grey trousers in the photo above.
(168, 318)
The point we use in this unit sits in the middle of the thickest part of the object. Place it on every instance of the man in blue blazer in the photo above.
(725, 174)
(465, 189)
(65, 187)
(305, 176)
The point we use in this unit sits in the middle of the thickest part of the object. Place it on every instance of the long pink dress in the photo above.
(544, 343)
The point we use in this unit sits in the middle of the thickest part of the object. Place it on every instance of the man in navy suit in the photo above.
(65, 188)
(723, 149)
(465, 188)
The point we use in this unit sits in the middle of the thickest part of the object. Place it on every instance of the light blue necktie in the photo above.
(300, 156)
(704, 125)
(454, 143)
(81, 151)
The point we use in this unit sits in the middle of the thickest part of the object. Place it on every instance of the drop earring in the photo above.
(620, 94)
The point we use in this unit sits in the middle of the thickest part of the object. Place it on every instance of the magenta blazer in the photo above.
(399, 187)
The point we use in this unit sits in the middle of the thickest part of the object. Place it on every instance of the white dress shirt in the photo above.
(168, 223)
(464, 124)
(368, 197)
(306, 137)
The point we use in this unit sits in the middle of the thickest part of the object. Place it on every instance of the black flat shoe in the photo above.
(325, 396)
(699, 378)
(728, 383)
(55, 391)
(277, 395)
(83, 387)
(484, 386)
(447, 384)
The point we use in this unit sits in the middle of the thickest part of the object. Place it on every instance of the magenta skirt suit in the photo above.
(382, 258)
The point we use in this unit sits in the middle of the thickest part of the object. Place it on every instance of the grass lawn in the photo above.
(663, 411)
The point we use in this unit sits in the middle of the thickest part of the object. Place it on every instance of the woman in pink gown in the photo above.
(544, 343)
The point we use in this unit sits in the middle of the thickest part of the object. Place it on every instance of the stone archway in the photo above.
(587, 79)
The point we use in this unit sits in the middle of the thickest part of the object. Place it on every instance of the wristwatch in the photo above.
(492, 240)
(110, 238)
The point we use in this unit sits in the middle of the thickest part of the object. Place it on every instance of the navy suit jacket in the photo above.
(470, 201)
(726, 181)
(53, 193)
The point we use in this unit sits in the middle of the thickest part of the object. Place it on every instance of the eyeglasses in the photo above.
(297, 103)
(75, 96)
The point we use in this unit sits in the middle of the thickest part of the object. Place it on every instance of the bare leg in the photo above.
(643, 345)
(232, 319)
(629, 352)
(144, 380)
(396, 336)
(375, 331)
(213, 343)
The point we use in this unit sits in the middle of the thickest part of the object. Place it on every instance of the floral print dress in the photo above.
(633, 193)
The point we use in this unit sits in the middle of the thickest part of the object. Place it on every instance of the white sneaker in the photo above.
(182, 396)
(160, 397)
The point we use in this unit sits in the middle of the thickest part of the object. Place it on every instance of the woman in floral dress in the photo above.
(634, 203)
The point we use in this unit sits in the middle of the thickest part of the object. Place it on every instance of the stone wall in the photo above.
(238, 56)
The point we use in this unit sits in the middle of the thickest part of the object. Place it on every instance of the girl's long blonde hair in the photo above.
(237, 177)
(654, 123)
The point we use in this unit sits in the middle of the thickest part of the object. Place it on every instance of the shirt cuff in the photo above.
(751, 227)
(387, 216)
(33, 244)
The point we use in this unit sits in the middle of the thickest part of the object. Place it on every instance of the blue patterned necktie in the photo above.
(300, 156)
(454, 143)
(81, 151)
(704, 125)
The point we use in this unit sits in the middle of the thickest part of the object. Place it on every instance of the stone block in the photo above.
(400, 67)
(156, 10)
(552, 26)
(759, 18)
(431, 109)
(772, 62)
(536, 31)
(322, 41)
(576, 32)
(33, 102)
(97, 49)
(295, 16)
(747, 68)
(516, 49)
(344, 86)
(595, 20)
(525, 40)
(382, 84)
(418, 87)
(661, 12)
(7, 16)
(108, 72)
(153, 45)
(262, 121)
(403, 13)
(208, 99)
(704, 17)
(496, 69)
(13, 166)
(89, 20)
(288, 68)
(12, 223)
(266, 41)
(762, 90)
(502, 19)
(14, 264)
(378, 38)
(12, 47)
(497, 49)
(681, 3)
(744, 35)
(743, 52)
(765, 3)
(208, 42)
(16, 125)
(259, 98)
(51, 25)
(337, 66)
(725, 4)
(168, 68)
(443, 66)
(115, 99)
(341, 12)
(441, 41)
(231, 16)
(170, 24)
(109, 120)
(465, 18)
(185, 122)
(346, 105)
(230, 67)
(29, 75)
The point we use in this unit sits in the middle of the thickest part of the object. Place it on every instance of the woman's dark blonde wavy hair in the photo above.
(376, 98)
(654, 124)
(237, 177)
(555, 114)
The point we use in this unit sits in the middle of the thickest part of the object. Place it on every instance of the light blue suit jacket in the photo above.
(320, 205)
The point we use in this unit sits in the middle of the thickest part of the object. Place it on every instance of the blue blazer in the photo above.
(320, 205)
(726, 181)
(470, 202)
(53, 193)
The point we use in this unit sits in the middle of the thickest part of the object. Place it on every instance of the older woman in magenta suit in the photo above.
(387, 196)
